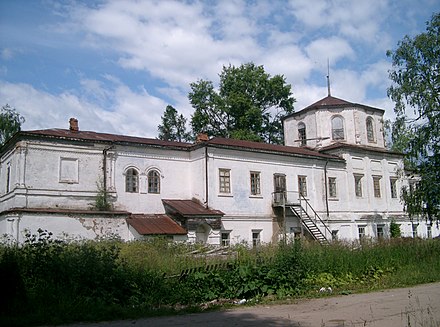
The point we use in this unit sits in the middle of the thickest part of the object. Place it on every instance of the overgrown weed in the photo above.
(52, 282)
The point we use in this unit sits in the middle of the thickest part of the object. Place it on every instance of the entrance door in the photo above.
(279, 182)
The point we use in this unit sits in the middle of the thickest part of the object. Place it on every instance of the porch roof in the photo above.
(155, 224)
(190, 208)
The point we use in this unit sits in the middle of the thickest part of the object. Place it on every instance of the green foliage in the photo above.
(102, 202)
(248, 105)
(173, 127)
(10, 123)
(416, 87)
(394, 229)
(49, 282)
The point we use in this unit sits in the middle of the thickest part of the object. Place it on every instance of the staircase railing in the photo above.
(327, 232)
(285, 198)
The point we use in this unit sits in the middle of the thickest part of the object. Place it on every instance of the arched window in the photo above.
(153, 182)
(302, 134)
(337, 128)
(131, 181)
(370, 129)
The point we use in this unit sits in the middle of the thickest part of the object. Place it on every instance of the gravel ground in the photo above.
(411, 306)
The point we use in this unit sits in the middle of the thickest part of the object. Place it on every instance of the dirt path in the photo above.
(419, 304)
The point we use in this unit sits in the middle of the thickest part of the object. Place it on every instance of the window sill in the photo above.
(333, 199)
(225, 195)
(255, 196)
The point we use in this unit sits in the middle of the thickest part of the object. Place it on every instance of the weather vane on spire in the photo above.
(328, 77)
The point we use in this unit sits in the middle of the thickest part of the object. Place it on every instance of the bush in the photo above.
(49, 282)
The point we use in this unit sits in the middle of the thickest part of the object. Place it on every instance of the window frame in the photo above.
(338, 133)
(256, 241)
(255, 183)
(358, 185)
(414, 231)
(380, 231)
(8, 177)
(302, 185)
(131, 180)
(302, 134)
(153, 181)
(362, 232)
(376, 187)
(225, 241)
(393, 186)
(369, 122)
(224, 176)
(332, 187)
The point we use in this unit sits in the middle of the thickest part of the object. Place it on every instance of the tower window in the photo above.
(302, 134)
(370, 129)
(338, 128)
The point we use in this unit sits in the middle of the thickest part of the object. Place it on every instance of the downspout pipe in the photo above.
(206, 178)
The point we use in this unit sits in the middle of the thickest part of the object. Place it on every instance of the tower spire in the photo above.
(328, 78)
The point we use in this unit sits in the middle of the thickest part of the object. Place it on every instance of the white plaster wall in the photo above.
(318, 125)
(174, 169)
(241, 202)
(71, 227)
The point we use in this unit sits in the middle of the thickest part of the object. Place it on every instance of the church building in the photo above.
(333, 179)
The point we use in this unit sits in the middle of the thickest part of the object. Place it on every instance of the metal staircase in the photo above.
(309, 223)
(307, 216)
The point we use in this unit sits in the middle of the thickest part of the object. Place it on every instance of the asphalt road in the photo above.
(412, 306)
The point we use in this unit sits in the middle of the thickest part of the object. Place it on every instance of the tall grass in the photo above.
(47, 282)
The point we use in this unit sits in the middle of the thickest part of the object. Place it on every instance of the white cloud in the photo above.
(131, 113)
(333, 48)
(6, 54)
(359, 19)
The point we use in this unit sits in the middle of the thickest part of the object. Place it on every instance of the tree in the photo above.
(248, 105)
(416, 87)
(173, 127)
(10, 123)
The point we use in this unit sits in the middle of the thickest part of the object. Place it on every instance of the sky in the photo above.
(116, 65)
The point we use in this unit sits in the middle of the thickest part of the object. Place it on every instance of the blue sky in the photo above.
(116, 65)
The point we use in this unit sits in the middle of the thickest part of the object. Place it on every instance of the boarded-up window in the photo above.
(69, 170)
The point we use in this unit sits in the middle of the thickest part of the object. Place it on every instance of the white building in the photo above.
(333, 179)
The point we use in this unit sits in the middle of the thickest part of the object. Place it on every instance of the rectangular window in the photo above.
(393, 184)
(380, 231)
(255, 183)
(358, 185)
(8, 177)
(256, 238)
(376, 186)
(225, 180)
(414, 230)
(226, 238)
(302, 185)
(332, 187)
(429, 231)
(361, 231)
(335, 235)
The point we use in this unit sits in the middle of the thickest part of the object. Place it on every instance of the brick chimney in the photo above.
(202, 137)
(73, 122)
